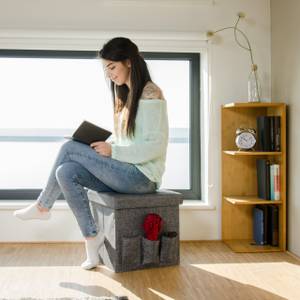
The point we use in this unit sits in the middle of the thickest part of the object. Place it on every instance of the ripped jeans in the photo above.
(79, 166)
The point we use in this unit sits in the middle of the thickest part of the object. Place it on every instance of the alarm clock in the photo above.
(245, 138)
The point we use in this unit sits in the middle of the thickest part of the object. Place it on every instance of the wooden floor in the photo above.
(208, 270)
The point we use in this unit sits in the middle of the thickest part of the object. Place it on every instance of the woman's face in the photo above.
(117, 71)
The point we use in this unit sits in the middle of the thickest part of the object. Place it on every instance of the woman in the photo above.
(132, 161)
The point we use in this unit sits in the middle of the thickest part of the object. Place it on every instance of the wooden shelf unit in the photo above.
(250, 153)
(239, 178)
(249, 200)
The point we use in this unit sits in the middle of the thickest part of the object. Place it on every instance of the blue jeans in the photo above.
(79, 166)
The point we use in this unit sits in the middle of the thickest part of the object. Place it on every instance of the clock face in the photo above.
(245, 140)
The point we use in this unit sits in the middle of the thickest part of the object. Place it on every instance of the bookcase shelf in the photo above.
(251, 105)
(239, 176)
(250, 153)
(249, 200)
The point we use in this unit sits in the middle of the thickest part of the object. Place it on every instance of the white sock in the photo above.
(92, 251)
(32, 212)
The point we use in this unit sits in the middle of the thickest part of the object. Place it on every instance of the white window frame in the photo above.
(148, 41)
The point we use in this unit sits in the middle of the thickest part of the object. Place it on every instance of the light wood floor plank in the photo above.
(208, 270)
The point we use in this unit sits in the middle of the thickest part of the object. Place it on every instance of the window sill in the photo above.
(62, 205)
(18, 204)
(196, 205)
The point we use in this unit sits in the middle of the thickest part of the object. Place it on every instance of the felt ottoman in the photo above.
(121, 218)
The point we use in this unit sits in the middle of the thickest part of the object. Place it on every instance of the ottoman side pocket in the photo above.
(169, 248)
(131, 251)
(150, 251)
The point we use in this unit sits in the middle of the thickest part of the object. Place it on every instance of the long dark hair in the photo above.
(120, 49)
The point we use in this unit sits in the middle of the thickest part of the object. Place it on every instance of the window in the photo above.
(46, 94)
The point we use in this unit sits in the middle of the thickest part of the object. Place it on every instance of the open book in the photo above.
(88, 133)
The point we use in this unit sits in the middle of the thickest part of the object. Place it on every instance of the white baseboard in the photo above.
(197, 222)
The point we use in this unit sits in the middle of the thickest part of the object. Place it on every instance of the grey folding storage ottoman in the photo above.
(121, 218)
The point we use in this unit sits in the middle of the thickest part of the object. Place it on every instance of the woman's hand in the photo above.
(102, 148)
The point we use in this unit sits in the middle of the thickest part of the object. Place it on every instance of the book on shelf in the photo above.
(263, 178)
(268, 180)
(277, 133)
(274, 182)
(268, 133)
(265, 225)
(273, 225)
(260, 229)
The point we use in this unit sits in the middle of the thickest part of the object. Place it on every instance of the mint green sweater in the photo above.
(148, 148)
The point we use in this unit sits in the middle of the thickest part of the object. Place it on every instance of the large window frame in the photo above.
(194, 133)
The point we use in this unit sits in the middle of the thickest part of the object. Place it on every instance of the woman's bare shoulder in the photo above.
(152, 91)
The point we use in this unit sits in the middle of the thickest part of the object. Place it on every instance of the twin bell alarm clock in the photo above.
(245, 139)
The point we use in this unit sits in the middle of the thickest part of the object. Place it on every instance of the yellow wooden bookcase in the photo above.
(239, 182)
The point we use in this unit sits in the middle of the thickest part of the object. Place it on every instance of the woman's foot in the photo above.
(33, 211)
(92, 246)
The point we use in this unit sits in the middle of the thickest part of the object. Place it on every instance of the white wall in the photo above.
(76, 24)
(286, 88)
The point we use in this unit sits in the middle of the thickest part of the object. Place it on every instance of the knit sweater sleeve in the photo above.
(111, 139)
(152, 142)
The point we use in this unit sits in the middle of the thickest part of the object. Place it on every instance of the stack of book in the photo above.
(266, 217)
(268, 133)
(268, 180)
(265, 225)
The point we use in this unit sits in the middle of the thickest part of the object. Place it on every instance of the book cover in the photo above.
(277, 128)
(261, 225)
(276, 182)
(273, 234)
(265, 223)
(258, 226)
(263, 178)
(272, 133)
(88, 133)
(263, 133)
(272, 182)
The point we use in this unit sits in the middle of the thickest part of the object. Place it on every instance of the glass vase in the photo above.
(254, 87)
